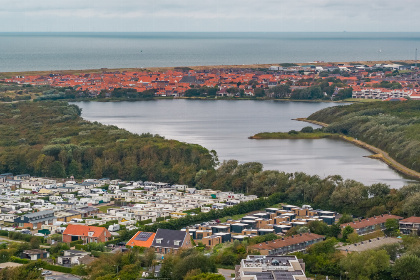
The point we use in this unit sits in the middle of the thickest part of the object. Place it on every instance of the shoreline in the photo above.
(377, 153)
(5, 74)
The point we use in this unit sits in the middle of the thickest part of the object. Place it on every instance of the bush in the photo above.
(19, 260)
(74, 243)
(58, 268)
(307, 129)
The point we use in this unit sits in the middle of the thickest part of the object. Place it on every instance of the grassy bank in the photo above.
(286, 135)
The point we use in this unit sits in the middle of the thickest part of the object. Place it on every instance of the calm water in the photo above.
(225, 125)
(54, 51)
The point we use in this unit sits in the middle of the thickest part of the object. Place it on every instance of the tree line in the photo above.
(391, 126)
(50, 139)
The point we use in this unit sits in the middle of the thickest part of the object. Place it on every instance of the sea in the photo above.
(65, 51)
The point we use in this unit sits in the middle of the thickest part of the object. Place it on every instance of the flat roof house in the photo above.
(270, 267)
(35, 220)
(35, 254)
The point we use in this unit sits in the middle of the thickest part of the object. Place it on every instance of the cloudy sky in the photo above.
(209, 15)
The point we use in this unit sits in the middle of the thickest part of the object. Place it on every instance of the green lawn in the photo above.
(103, 209)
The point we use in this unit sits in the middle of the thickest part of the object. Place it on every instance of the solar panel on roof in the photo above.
(143, 236)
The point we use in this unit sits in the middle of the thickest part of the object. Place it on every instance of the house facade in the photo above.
(35, 220)
(410, 226)
(170, 241)
(86, 233)
(371, 224)
(287, 245)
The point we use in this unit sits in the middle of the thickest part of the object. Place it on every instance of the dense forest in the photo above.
(51, 139)
(391, 126)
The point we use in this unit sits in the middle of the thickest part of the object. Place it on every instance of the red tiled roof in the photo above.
(413, 219)
(371, 221)
(290, 240)
(141, 243)
(82, 230)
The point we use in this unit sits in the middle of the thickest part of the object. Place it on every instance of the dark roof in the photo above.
(168, 238)
(188, 79)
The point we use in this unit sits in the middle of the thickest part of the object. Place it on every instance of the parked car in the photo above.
(46, 272)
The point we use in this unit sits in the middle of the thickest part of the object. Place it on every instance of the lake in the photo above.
(225, 125)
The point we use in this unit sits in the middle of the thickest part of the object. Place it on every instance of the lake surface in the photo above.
(55, 51)
(225, 125)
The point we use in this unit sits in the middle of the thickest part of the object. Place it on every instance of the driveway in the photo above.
(226, 273)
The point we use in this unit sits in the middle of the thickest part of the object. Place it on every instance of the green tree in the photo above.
(280, 91)
(346, 231)
(318, 227)
(365, 265)
(407, 267)
(307, 129)
(392, 227)
(412, 206)
(205, 276)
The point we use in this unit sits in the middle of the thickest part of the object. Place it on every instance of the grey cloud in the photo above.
(208, 15)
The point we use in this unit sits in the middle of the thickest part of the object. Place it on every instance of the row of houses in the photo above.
(40, 203)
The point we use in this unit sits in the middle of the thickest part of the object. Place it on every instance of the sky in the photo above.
(209, 15)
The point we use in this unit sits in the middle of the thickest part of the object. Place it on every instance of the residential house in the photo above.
(71, 257)
(287, 245)
(35, 254)
(410, 226)
(257, 267)
(369, 225)
(86, 233)
(170, 241)
(35, 220)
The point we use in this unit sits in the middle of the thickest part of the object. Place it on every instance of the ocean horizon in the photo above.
(44, 51)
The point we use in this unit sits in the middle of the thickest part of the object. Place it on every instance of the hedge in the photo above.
(19, 260)
(74, 243)
(58, 268)
(20, 236)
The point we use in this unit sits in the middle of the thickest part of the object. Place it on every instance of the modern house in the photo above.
(170, 241)
(261, 267)
(86, 233)
(35, 220)
(71, 257)
(287, 245)
(35, 254)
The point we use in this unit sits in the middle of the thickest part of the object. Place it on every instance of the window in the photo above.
(159, 240)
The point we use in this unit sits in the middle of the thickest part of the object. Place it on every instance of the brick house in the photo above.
(287, 245)
(169, 241)
(86, 233)
(369, 225)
